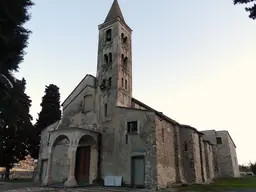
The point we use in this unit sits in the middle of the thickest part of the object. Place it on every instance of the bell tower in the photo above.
(114, 66)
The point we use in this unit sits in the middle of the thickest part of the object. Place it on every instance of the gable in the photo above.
(88, 80)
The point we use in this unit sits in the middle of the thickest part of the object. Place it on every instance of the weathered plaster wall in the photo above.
(224, 156)
(43, 151)
(227, 155)
(165, 152)
(80, 113)
(117, 153)
(234, 157)
(60, 162)
(93, 164)
(88, 80)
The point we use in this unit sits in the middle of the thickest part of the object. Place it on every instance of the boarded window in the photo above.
(132, 127)
(219, 140)
(88, 103)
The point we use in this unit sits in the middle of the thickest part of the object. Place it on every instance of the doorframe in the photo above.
(132, 170)
(78, 159)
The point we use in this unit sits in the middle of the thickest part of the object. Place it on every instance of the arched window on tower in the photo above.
(125, 40)
(122, 82)
(105, 109)
(125, 61)
(125, 84)
(122, 57)
(110, 57)
(105, 59)
(108, 35)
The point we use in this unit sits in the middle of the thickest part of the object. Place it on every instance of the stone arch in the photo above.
(60, 159)
(86, 140)
(86, 159)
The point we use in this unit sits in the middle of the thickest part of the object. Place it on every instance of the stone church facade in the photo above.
(104, 131)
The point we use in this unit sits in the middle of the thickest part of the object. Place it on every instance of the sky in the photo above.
(192, 60)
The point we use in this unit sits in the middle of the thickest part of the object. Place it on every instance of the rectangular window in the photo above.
(125, 84)
(219, 140)
(106, 109)
(185, 146)
(132, 127)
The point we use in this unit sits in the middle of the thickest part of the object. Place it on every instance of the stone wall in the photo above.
(197, 157)
(187, 154)
(210, 135)
(209, 161)
(165, 152)
(203, 159)
(233, 157)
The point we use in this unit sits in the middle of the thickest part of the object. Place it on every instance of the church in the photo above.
(106, 133)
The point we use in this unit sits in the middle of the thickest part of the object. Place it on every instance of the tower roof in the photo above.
(114, 12)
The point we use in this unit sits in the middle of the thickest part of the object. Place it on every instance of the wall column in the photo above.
(48, 178)
(71, 182)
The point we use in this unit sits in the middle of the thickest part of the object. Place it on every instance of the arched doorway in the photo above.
(60, 159)
(86, 160)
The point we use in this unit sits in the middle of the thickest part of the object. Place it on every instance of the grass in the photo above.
(248, 182)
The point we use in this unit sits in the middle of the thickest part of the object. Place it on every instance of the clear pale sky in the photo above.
(192, 60)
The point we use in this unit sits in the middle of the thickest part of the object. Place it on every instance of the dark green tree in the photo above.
(253, 167)
(49, 114)
(13, 40)
(251, 9)
(15, 126)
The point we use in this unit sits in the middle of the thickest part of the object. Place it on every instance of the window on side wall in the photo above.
(219, 140)
(132, 127)
(185, 146)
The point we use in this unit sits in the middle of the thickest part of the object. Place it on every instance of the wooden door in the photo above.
(83, 156)
(138, 172)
